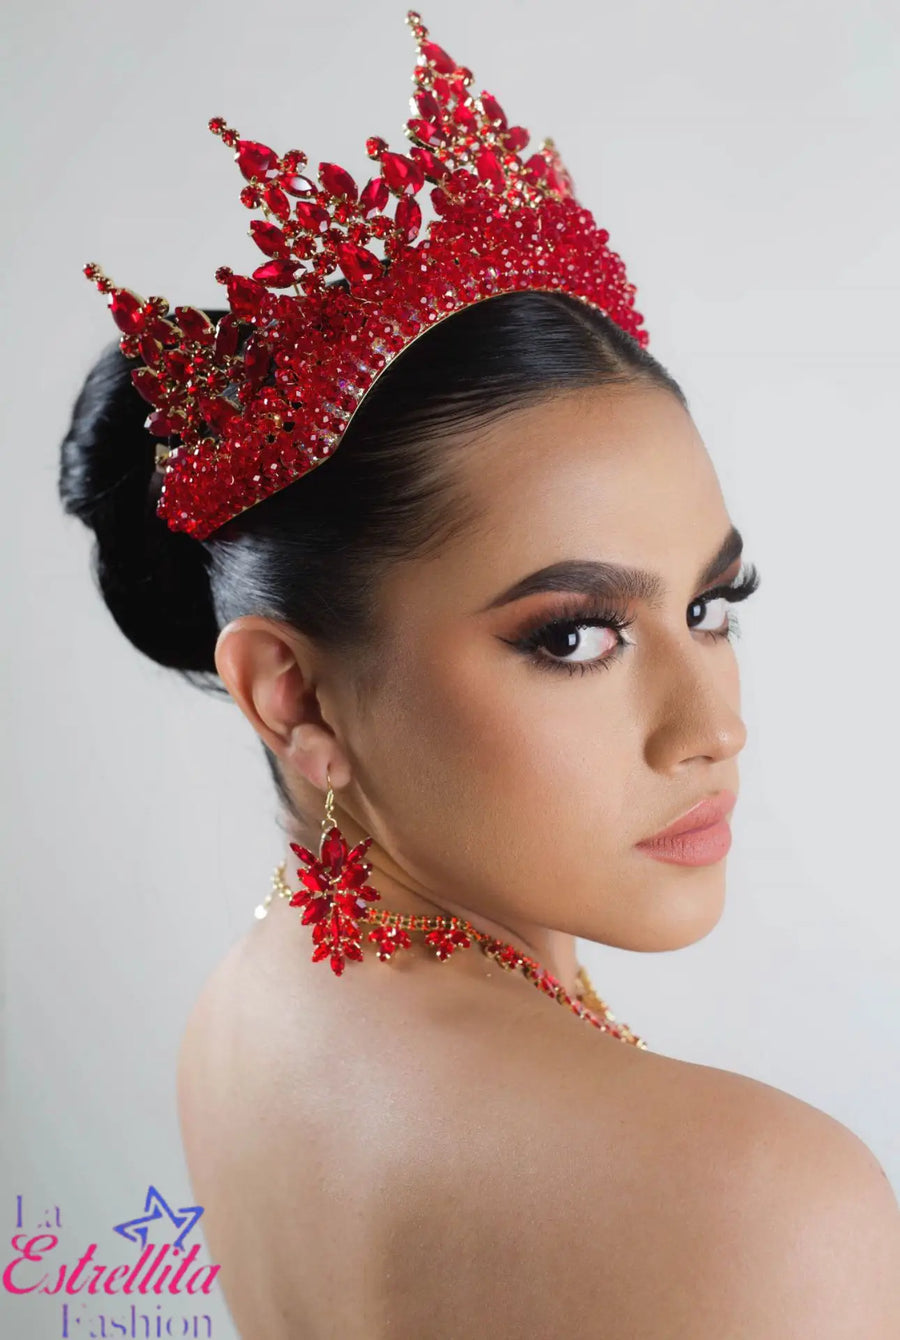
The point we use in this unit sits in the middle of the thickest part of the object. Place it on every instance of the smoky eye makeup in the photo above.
(546, 643)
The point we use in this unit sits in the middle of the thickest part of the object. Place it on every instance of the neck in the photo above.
(553, 950)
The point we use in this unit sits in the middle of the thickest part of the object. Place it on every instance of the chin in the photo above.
(675, 906)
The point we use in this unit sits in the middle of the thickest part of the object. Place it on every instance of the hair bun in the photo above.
(154, 581)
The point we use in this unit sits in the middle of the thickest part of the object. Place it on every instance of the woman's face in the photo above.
(515, 783)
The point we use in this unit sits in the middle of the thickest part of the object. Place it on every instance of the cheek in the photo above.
(524, 763)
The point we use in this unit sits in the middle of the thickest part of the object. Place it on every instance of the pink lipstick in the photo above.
(698, 837)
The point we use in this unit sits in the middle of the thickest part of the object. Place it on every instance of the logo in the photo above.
(94, 1292)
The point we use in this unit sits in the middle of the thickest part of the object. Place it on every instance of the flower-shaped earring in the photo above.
(335, 893)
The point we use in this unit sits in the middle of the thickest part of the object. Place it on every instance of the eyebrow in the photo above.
(613, 581)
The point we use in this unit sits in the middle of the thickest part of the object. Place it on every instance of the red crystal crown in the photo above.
(252, 417)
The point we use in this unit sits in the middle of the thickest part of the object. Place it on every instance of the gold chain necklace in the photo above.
(448, 934)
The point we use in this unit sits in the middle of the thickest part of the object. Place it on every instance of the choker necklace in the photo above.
(335, 901)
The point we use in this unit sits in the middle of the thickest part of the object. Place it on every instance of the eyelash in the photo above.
(574, 616)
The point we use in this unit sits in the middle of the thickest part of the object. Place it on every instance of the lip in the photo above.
(697, 837)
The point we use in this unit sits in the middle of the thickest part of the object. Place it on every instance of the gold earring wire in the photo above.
(328, 819)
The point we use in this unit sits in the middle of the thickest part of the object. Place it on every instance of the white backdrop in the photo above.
(743, 157)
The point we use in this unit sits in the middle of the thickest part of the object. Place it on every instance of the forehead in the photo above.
(598, 457)
(617, 473)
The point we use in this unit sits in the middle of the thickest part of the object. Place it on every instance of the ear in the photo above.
(271, 672)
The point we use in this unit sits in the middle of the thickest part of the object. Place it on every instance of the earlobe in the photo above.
(314, 753)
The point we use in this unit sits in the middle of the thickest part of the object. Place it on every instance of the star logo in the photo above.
(156, 1209)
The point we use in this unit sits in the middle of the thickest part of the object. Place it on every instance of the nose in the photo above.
(695, 709)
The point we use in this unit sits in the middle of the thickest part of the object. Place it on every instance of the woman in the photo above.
(518, 500)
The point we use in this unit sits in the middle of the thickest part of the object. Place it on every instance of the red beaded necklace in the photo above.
(445, 934)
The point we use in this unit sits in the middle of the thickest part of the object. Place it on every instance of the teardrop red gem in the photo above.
(374, 196)
(255, 160)
(149, 385)
(408, 217)
(312, 216)
(270, 240)
(244, 295)
(357, 264)
(336, 180)
(276, 274)
(195, 324)
(493, 109)
(426, 131)
(126, 308)
(443, 63)
(430, 164)
(226, 336)
(298, 185)
(428, 105)
(489, 170)
(402, 174)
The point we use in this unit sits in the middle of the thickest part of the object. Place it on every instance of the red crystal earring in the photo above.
(336, 898)
(335, 894)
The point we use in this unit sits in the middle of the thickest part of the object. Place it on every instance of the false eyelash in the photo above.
(573, 614)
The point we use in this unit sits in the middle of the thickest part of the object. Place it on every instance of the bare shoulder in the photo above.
(498, 1156)
(224, 1061)
(671, 1199)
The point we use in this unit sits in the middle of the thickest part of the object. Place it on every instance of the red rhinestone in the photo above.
(374, 196)
(489, 169)
(537, 166)
(278, 273)
(270, 240)
(226, 336)
(195, 324)
(218, 413)
(438, 57)
(336, 181)
(311, 216)
(277, 201)
(298, 185)
(427, 131)
(493, 110)
(162, 424)
(357, 264)
(255, 160)
(293, 159)
(408, 217)
(465, 117)
(149, 386)
(150, 351)
(427, 105)
(430, 164)
(127, 311)
(515, 139)
(402, 174)
(244, 295)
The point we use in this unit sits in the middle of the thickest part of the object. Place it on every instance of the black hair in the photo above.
(311, 554)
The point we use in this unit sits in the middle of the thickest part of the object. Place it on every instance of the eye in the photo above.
(713, 614)
(576, 633)
(574, 641)
(713, 605)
